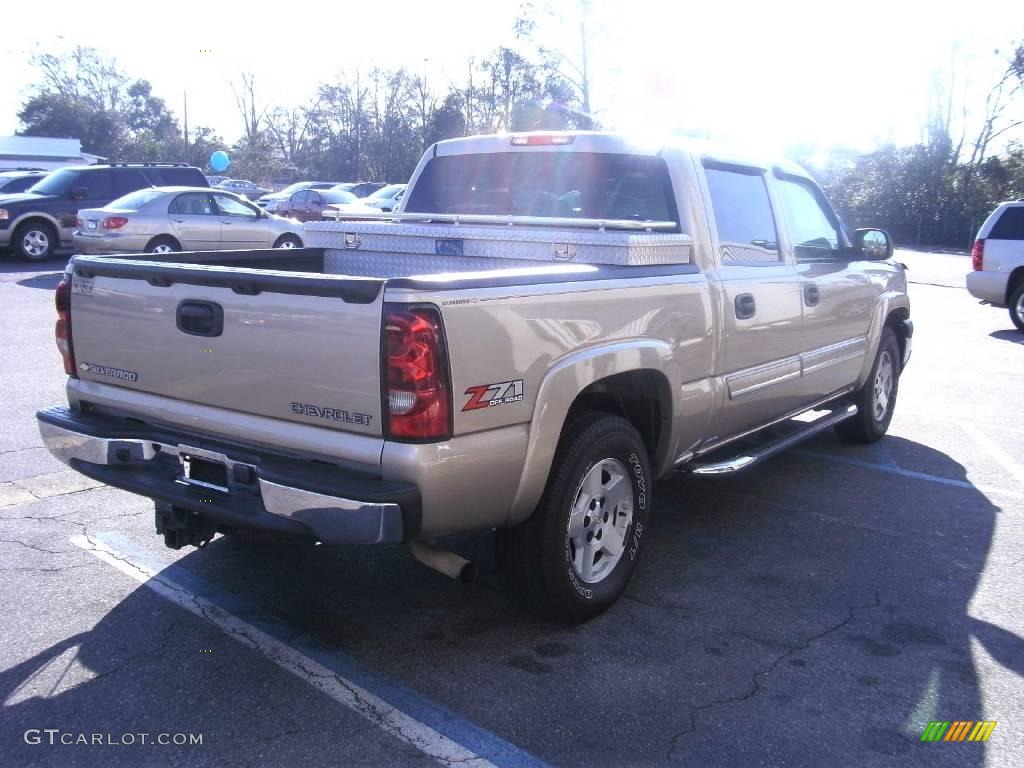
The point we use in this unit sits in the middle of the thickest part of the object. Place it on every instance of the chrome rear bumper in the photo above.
(258, 491)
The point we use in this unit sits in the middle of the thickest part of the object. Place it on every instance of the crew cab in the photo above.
(551, 323)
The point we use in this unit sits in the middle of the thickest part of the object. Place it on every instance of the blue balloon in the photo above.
(219, 161)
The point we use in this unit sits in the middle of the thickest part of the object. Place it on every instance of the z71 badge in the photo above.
(489, 395)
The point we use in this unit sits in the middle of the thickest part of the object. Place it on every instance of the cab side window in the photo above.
(743, 215)
(813, 228)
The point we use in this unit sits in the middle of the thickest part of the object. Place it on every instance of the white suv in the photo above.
(998, 261)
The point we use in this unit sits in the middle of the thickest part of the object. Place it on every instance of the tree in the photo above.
(83, 95)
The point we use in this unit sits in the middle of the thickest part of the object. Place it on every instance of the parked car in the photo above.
(360, 188)
(213, 181)
(169, 219)
(36, 222)
(485, 363)
(270, 200)
(242, 187)
(309, 204)
(387, 198)
(19, 181)
(998, 261)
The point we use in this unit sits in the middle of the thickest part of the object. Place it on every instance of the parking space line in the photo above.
(404, 714)
(909, 473)
(993, 450)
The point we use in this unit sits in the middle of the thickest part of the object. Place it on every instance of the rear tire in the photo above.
(876, 400)
(163, 244)
(35, 241)
(1016, 306)
(573, 557)
(288, 241)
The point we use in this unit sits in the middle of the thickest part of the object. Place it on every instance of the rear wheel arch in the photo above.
(574, 387)
(161, 240)
(1015, 280)
(642, 396)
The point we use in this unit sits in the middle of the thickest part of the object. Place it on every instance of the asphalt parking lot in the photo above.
(818, 611)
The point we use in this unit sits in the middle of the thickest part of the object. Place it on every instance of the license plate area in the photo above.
(90, 224)
(204, 472)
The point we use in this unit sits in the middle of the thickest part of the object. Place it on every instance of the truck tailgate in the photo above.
(292, 346)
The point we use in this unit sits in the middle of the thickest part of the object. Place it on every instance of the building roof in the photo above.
(43, 152)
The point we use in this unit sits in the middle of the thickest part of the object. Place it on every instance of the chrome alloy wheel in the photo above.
(885, 377)
(35, 243)
(601, 514)
(162, 248)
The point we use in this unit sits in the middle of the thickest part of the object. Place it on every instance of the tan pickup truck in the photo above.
(549, 324)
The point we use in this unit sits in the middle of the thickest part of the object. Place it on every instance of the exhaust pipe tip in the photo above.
(448, 563)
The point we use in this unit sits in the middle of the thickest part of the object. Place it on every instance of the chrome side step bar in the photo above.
(749, 458)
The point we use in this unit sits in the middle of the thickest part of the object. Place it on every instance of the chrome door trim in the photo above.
(752, 380)
(834, 354)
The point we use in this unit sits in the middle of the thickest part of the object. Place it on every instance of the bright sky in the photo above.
(771, 74)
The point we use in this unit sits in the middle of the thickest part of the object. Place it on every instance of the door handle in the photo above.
(200, 318)
(225, 221)
(178, 221)
(811, 295)
(745, 306)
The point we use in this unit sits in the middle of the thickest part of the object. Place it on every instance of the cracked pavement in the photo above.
(819, 610)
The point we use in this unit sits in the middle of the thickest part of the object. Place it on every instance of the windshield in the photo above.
(133, 201)
(57, 183)
(584, 185)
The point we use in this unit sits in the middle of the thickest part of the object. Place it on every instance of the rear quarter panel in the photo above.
(534, 348)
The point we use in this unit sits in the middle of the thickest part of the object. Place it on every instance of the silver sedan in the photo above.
(168, 219)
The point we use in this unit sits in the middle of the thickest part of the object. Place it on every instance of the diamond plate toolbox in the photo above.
(451, 242)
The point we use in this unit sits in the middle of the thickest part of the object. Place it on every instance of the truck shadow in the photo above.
(1015, 336)
(809, 612)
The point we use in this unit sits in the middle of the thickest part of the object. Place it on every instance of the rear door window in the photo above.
(128, 180)
(1010, 225)
(743, 215)
(99, 184)
(550, 184)
(193, 204)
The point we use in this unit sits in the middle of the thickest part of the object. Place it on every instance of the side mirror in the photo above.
(79, 193)
(873, 244)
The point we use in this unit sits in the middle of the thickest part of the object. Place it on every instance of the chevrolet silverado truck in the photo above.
(549, 324)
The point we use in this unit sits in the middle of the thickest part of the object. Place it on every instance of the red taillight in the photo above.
(79, 222)
(978, 255)
(417, 397)
(541, 139)
(114, 222)
(62, 298)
